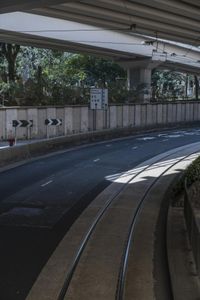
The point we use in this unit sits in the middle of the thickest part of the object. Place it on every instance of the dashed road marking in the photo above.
(95, 160)
(46, 183)
(134, 148)
(148, 138)
(174, 135)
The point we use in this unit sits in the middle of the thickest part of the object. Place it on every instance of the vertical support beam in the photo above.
(139, 80)
(196, 87)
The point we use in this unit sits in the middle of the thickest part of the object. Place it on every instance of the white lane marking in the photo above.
(162, 134)
(95, 160)
(46, 183)
(147, 138)
(174, 135)
(165, 140)
(189, 133)
(134, 148)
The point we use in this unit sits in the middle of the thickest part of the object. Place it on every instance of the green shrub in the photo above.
(192, 173)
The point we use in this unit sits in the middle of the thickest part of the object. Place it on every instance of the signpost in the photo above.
(52, 122)
(22, 123)
(99, 99)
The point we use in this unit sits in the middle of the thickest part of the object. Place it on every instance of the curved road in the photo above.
(41, 199)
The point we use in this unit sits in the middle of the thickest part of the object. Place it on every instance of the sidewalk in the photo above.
(5, 144)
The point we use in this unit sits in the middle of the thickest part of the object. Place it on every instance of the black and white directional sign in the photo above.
(22, 123)
(54, 122)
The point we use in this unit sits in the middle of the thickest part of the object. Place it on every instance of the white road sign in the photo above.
(98, 98)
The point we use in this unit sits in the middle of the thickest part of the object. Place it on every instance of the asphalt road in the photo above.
(41, 199)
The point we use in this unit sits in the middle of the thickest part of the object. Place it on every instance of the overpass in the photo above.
(138, 35)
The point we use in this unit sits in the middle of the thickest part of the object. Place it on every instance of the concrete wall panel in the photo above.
(137, 115)
(132, 115)
(76, 112)
(191, 111)
(154, 114)
(68, 122)
(2, 124)
(183, 112)
(198, 109)
(42, 128)
(119, 116)
(174, 112)
(60, 114)
(84, 119)
(169, 113)
(143, 115)
(188, 112)
(178, 112)
(32, 114)
(159, 114)
(22, 132)
(126, 121)
(164, 113)
(51, 129)
(113, 116)
(195, 107)
(11, 114)
(99, 119)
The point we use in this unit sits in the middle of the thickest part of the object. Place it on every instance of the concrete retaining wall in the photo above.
(80, 119)
(192, 218)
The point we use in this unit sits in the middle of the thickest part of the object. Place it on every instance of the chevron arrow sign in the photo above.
(54, 122)
(22, 123)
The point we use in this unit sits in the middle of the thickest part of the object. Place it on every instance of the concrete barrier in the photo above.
(79, 119)
(192, 218)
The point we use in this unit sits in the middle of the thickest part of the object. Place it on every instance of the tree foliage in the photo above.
(32, 76)
(168, 85)
(44, 76)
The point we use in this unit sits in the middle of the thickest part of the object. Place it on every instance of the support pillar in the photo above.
(196, 80)
(139, 77)
(139, 80)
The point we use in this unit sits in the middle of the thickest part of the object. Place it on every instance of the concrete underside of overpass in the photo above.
(176, 20)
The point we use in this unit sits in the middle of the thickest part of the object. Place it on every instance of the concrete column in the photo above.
(139, 80)
(139, 76)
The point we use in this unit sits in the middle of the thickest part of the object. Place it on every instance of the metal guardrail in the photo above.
(192, 220)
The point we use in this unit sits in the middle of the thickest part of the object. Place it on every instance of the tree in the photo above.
(167, 85)
(10, 52)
